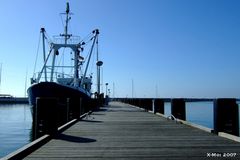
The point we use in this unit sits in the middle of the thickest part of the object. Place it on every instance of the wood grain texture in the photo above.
(120, 131)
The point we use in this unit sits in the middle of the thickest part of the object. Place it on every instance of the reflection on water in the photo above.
(15, 127)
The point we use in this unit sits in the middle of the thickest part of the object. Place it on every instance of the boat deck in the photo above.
(120, 131)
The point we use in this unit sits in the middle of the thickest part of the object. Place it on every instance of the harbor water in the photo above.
(200, 113)
(15, 127)
(16, 122)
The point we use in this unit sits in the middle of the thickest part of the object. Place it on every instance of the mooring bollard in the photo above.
(178, 108)
(45, 116)
(226, 116)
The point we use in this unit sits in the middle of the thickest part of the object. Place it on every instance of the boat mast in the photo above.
(75, 49)
(66, 35)
(95, 32)
(53, 63)
(44, 51)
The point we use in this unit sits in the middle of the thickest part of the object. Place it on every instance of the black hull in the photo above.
(51, 115)
(52, 89)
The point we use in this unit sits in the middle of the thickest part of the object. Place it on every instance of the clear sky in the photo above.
(165, 48)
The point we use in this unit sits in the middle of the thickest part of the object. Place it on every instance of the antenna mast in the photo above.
(66, 35)
(44, 51)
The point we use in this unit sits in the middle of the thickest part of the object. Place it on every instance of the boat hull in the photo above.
(52, 89)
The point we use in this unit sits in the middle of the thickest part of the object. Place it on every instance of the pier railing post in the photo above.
(83, 104)
(146, 103)
(70, 108)
(159, 106)
(46, 116)
(226, 116)
(153, 105)
(76, 107)
(178, 108)
(106, 100)
(69, 111)
(80, 107)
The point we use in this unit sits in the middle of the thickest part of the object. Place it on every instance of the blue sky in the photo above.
(168, 48)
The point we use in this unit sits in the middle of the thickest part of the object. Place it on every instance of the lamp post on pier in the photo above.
(99, 64)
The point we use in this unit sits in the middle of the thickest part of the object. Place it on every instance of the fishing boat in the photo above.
(73, 79)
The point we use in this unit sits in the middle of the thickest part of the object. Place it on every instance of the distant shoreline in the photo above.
(7, 100)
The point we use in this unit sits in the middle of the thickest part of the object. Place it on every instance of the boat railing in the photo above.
(55, 77)
(71, 40)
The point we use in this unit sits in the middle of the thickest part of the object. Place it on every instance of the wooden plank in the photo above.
(120, 131)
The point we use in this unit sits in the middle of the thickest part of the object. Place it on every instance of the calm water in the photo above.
(196, 112)
(15, 127)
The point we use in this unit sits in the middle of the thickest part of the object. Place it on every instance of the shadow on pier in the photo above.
(75, 139)
(91, 121)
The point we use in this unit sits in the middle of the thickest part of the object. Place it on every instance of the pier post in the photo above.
(226, 116)
(87, 105)
(84, 106)
(74, 105)
(178, 108)
(149, 104)
(46, 116)
(106, 100)
(135, 102)
(77, 107)
(94, 103)
(146, 103)
(159, 106)
(68, 110)
(62, 110)
(138, 102)
(153, 105)
(101, 100)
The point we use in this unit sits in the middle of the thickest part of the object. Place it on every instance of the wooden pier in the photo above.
(121, 131)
